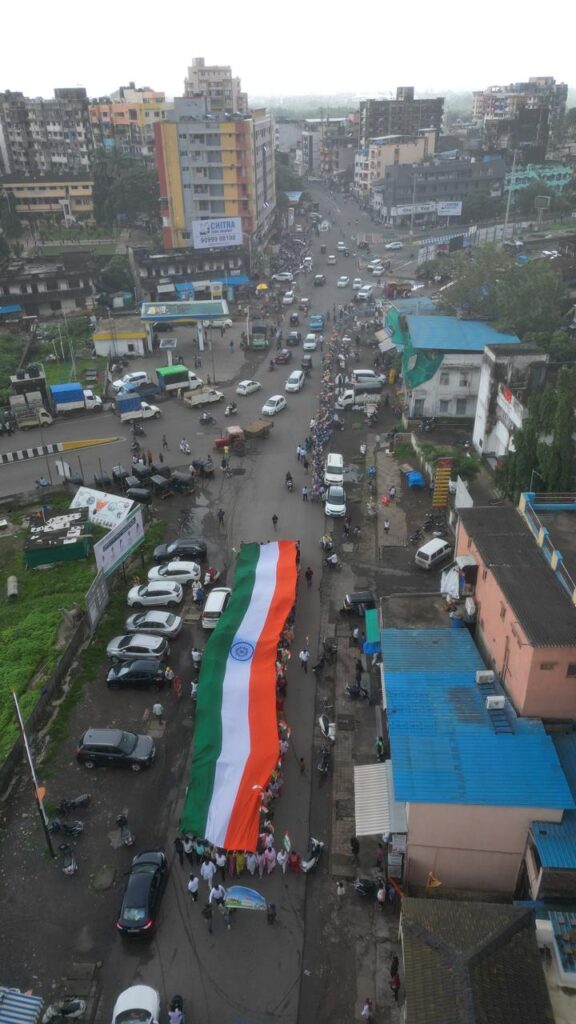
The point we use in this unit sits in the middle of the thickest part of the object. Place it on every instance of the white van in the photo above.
(216, 603)
(430, 554)
(334, 469)
(366, 380)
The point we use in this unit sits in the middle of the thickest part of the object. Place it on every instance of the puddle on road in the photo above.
(190, 522)
(352, 474)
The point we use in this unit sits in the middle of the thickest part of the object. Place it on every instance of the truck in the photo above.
(28, 411)
(72, 397)
(259, 335)
(355, 396)
(131, 407)
(149, 392)
(177, 378)
(203, 396)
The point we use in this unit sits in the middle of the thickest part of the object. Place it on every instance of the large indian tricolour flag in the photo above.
(236, 743)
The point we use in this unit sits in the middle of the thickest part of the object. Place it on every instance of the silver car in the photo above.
(138, 645)
(177, 572)
(156, 593)
(155, 621)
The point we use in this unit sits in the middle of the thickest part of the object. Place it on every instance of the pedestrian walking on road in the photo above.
(251, 863)
(302, 765)
(304, 493)
(304, 658)
(386, 526)
(392, 492)
(271, 913)
(282, 860)
(298, 452)
(308, 576)
(208, 870)
(355, 847)
(275, 521)
(231, 345)
(193, 888)
(220, 859)
(305, 463)
(395, 985)
(379, 748)
(179, 847)
(368, 1011)
(164, 442)
(340, 890)
(158, 712)
(394, 965)
(220, 517)
(160, 458)
(196, 658)
(188, 844)
(380, 856)
(207, 915)
(217, 894)
(149, 457)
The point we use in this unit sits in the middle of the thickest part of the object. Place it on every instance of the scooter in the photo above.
(211, 576)
(137, 428)
(327, 728)
(324, 761)
(231, 409)
(127, 837)
(363, 448)
(206, 419)
(74, 804)
(69, 862)
(70, 1009)
(367, 886)
(289, 484)
(312, 857)
(176, 1010)
(67, 828)
(356, 692)
(185, 448)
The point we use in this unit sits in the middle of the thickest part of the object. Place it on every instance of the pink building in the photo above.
(473, 775)
(526, 620)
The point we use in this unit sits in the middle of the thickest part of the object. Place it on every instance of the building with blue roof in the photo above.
(441, 359)
(474, 776)
(551, 853)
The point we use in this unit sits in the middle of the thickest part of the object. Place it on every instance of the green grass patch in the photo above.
(29, 627)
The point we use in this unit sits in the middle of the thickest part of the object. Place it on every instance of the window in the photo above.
(444, 406)
(571, 669)
(547, 666)
(419, 407)
(460, 406)
(464, 380)
(444, 378)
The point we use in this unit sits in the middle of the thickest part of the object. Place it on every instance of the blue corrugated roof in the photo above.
(414, 304)
(565, 745)
(448, 334)
(446, 746)
(5, 310)
(556, 843)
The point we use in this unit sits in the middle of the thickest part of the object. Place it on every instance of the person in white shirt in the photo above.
(217, 894)
(193, 887)
(282, 860)
(208, 870)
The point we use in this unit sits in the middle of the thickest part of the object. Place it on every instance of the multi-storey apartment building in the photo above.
(404, 115)
(391, 150)
(211, 167)
(45, 137)
(50, 198)
(505, 101)
(124, 121)
(219, 87)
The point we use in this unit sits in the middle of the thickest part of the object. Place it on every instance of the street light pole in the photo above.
(38, 791)
(532, 475)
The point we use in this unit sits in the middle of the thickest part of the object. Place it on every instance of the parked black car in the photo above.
(184, 547)
(139, 673)
(144, 888)
(114, 748)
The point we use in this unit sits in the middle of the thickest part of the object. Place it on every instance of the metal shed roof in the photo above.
(375, 807)
(556, 843)
(448, 334)
(446, 745)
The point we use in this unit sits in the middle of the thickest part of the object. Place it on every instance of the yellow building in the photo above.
(67, 198)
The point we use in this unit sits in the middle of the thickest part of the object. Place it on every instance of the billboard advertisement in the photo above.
(449, 209)
(112, 550)
(103, 509)
(217, 232)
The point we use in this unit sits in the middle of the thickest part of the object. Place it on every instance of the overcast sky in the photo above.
(284, 49)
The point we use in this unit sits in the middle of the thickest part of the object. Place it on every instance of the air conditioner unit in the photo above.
(495, 703)
(485, 677)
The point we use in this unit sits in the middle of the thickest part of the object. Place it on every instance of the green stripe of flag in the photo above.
(208, 731)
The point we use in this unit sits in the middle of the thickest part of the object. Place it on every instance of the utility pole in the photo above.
(413, 201)
(509, 199)
(38, 790)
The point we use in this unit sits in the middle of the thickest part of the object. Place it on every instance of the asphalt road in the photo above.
(253, 973)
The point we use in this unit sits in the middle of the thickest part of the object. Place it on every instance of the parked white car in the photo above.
(147, 595)
(335, 504)
(139, 1004)
(154, 621)
(138, 645)
(176, 572)
(136, 377)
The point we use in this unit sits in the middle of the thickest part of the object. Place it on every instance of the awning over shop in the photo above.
(375, 808)
(372, 641)
(18, 1008)
(385, 343)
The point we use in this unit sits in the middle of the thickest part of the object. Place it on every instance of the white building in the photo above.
(507, 378)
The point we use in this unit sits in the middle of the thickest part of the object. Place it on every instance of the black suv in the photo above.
(319, 279)
(183, 547)
(138, 672)
(99, 748)
(294, 338)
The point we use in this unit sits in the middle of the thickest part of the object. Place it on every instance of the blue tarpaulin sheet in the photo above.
(414, 479)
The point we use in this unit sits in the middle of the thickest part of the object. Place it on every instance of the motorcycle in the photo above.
(367, 886)
(137, 428)
(176, 1010)
(206, 419)
(70, 1009)
(312, 857)
(67, 828)
(231, 409)
(211, 576)
(327, 728)
(69, 862)
(363, 448)
(271, 365)
(74, 804)
(333, 562)
(326, 543)
(289, 484)
(356, 692)
(324, 761)
(185, 447)
(127, 837)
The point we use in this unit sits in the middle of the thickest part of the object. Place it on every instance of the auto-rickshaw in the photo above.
(140, 494)
(323, 249)
(182, 483)
(161, 487)
(306, 363)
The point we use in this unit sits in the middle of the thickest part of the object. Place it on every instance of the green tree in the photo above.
(116, 275)
(476, 273)
(479, 208)
(529, 297)
(124, 191)
(556, 460)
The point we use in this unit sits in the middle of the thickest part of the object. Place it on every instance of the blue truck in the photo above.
(131, 407)
(73, 397)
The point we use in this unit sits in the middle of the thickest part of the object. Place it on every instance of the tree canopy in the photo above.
(124, 191)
